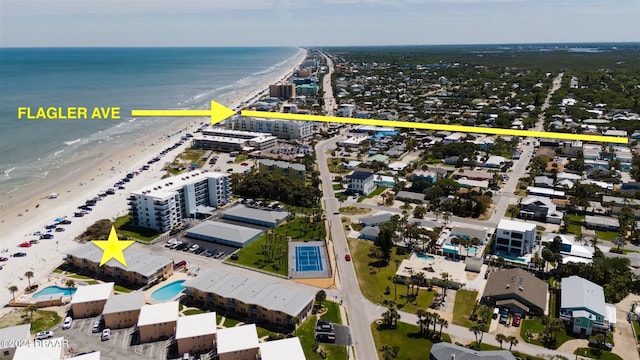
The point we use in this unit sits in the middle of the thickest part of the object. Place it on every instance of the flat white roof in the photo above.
(237, 338)
(158, 313)
(289, 349)
(90, 356)
(169, 186)
(196, 325)
(92, 293)
(511, 225)
(49, 349)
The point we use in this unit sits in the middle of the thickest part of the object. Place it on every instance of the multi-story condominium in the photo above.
(282, 168)
(285, 129)
(255, 300)
(220, 139)
(142, 268)
(515, 237)
(282, 91)
(162, 205)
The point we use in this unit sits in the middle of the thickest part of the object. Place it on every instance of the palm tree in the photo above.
(443, 323)
(594, 242)
(13, 290)
(32, 308)
(321, 296)
(446, 282)
(70, 284)
(478, 330)
(29, 275)
(419, 279)
(434, 320)
(512, 340)
(421, 313)
(446, 216)
(501, 338)
(619, 242)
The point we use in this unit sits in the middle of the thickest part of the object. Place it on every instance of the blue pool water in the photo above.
(168, 291)
(424, 256)
(54, 290)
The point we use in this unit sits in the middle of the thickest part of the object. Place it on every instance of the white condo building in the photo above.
(515, 237)
(285, 129)
(162, 205)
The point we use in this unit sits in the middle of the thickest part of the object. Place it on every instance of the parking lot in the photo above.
(119, 346)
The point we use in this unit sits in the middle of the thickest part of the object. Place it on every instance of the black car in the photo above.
(187, 247)
(65, 222)
(211, 252)
(606, 345)
(181, 246)
(200, 250)
(46, 236)
(19, 254)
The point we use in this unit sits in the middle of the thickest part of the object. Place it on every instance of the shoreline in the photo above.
(28, 210)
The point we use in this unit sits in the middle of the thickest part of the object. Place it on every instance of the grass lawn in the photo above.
(623, 251)
(252, 254)
(463, 307)
(606, 235)
(575, 218)
(337, 187)
(535, 326)
(240, 158)
(121, 288)
(306, 333)
(505, 346)
(229, 322)
(335, 167)
(553, 298)
(354, 210)
(375, 192)
(333, 312)
(406, 337)
(636, 327)
(194, 311)
(373, 281)
(123, 227)
(44, 320)
(81, 277)
(512, 211)
(589, 352)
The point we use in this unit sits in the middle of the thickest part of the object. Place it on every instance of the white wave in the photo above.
(72, 141)
(132, 120)
(58, 152)
(6, 172)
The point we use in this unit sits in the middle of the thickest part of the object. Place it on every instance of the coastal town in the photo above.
(263, 238)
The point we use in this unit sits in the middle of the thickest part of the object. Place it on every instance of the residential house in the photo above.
(282, 168)
(514, 237)
(602, 223)
(158, 321)
(541, 209)
(90, 300)
(122, 311)
(361, 182)
(518, 290)
(196, 333)
(238, 343)
(446, 351)
(582, 305)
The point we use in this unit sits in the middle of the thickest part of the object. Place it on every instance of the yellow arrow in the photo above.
(220, 112)
(426, 126)
(217, 112)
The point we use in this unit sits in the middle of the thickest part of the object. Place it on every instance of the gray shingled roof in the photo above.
(376, 219)
(143, 263)
(287, 299)
(243, 211)
(282, 164)
(533, 290)
(124, 302)
(581, 293)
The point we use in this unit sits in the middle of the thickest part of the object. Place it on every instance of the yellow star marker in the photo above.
(113, 248)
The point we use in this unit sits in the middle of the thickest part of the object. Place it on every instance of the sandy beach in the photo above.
(24, 212)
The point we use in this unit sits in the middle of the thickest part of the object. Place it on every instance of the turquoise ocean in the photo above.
(129, 78)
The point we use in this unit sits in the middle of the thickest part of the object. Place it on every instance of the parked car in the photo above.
(106, 334)
(347, 257)
(34, 241)
(59, 229)
(175, 245)
(504, 315)
(181, 246)
(46, 236)
(171, 242)
(25, 244)
(65, 222)
(194, 247)
(67, 323)
(200, 250)
(606, 345)
(4, 259)
(180, 264)
(516, 319)
(97, 325)
(19, 254)
(44, 335)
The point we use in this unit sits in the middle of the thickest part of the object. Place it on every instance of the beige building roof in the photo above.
(92, 293)
(237, 338)
(124, 302)
(433, 268)
(276, 350)
(49, 349)
(196, 325)
(158, 313)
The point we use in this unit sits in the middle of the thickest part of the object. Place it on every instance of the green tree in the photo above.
(443, 323)
(478, 330)
(500, 338)
(29, 275)
(619, 242)
(512, 340)
(13, 290)
(419, 212)
(321, 296)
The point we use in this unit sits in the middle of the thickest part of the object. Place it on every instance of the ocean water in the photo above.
(129, 78)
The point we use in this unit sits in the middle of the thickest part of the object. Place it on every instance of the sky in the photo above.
(113, 23)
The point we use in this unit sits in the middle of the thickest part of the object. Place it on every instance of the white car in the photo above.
(194, 247)
(44, 335)
(106, 334)
(171, 242)
(67, 323)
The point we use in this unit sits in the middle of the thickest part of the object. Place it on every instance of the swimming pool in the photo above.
(54, 290)
(424, 256)
(168, 291)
